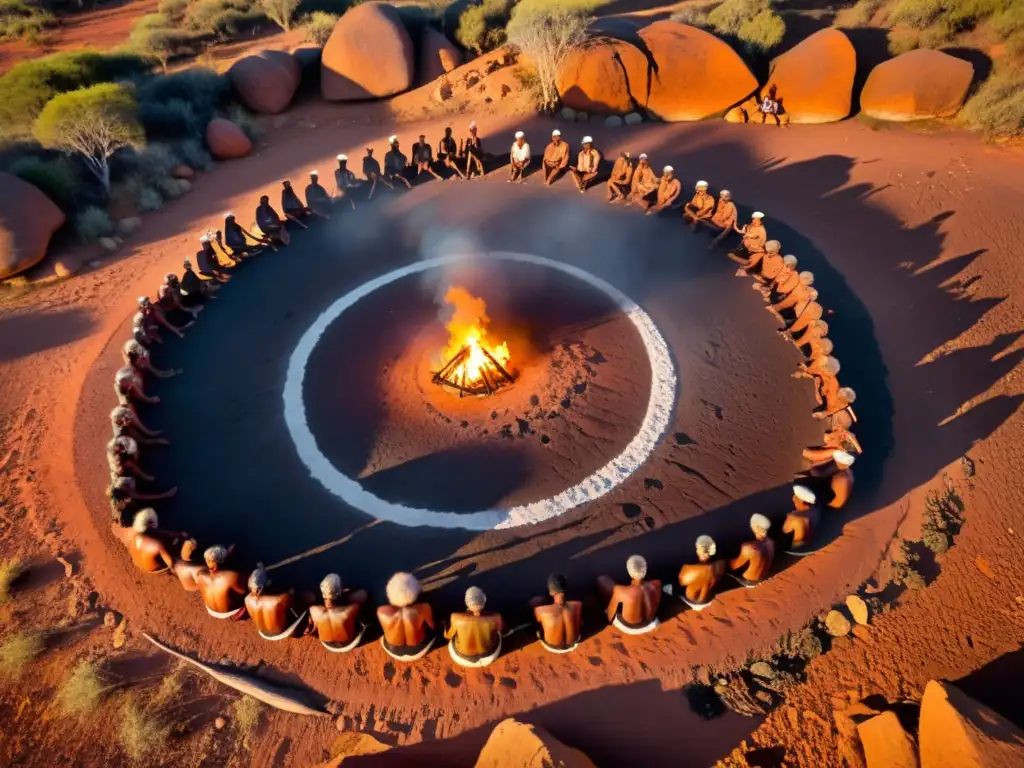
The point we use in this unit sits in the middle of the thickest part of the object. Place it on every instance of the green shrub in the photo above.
(694, 15)
(169, 120)
(223, 18)
(22, 20)
(82, 690)
(17, 652)
(763, 32)
(93, 223)
(25, 90)
(56, 178)
(997, 109)
(192, 153)
(727, 18)
(858, 15)
(178, 106)
(244, 120)
(902, 40)
(141, 732)
(481, 25)
(281, 12)
(916, 14)
(955, 15)
(1010, 22)
(155, 35)
(150, 200)
(174, 10)
(245, 716)
(318, 26)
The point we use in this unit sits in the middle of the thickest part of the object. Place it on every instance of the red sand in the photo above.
(923, 229)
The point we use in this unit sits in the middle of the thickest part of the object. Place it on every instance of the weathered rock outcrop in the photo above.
(605, 76)
(885, 743)
(266, 81)
(955, 731)
(917, 85)
(369, 55)
(226, 140)
(815, 78)
(28, 219)
(438, 55)
(513, 743)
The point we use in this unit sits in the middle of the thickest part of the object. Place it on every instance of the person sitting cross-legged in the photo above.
(632, 608)
(588, 162)
(221, 588)
(561, 620)
(345, 182)
(273, 613)
(700, 207)
(294, 209)
(240, 242)
(668, 191)
(409, 630)
(474, 636)
(396, 163)
(700, 579)
(147, 544)
(317, 199)
(334, 622)
(645, 184)
(621, 179)
(755, 556)
(270, 224)
(519, 159)
(423, 158)
(556, 158)
(448, 153)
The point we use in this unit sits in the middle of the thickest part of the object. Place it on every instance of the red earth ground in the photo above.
(923, 229)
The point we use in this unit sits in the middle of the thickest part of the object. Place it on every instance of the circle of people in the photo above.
(407, 622)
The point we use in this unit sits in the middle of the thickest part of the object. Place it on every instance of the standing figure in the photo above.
(770, 106)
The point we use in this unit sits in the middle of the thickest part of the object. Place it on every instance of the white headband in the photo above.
(314, 172)
(472, 124)
(204, 239)
(667, 169)
(556, 132)
(229, 214)
(643, 155)
(725, 193)
(519, 134)
(392, 139)
(702, 184)
(758, 215)
(343, 157)
(804, 493)
(588, 139)
(843, 458)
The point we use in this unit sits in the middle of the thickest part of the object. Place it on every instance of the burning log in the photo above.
(473, 371)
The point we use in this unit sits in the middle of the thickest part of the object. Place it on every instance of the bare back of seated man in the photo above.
(335, 621)
(408, 625)
(185, 569)
(757, 555)
(802, 521)
(701, 578)
(219, 588)
(273, 614)
(561, 620)
(476, 634)
(146, 544)
(634, 605)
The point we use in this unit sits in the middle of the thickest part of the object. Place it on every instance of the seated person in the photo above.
(519, 158)
(345, 182)
(195, 290)
(802, 521)
(668, 191)
(588, 162)
(274, 615)
(208, 263)
(819, 347)
(757, 555)
(561, 621)
(645, 183)
(185, 569)
(770, 106)
(784, 282)
(169, 299)
(556, 158)
(240, 241)
(395, 163)
(807, 311)
(700, 207)
(334, 622)
(724, 219)
(145, 331)
(839, 475)
(800, 291)
(423, 157)
(317, 199)
(269, 222)
(838, 439)
(373, 173)
(126, 422)
(151, 313)
(448, 153)
(137, 356)
(815, 333)
(823, 371)
(633, 608)
(123, 490)
(408, 625)
(838, 414)
(123, 457)
(754, 238)
(220, 588)
(294, 209)
(700, 579)
(474, 637)
(128, 387)
(473, 149)
(757, 263)
(147, 544)
(621, 179)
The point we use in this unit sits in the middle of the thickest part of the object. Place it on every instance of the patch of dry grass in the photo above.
(10, 570)
(17, 652)
(141, 732)
(245, 716)
(82, 690)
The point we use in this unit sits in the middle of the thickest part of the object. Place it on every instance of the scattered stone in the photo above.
(182, 172)
(110, 619)
(762, 669)
(129, 225)
(612, 121)
(219, 723)
(837, 624)
(121, 634)
(568, 113)
(858, 610)
(633, 118)
(582, 117)
(27, 223)
(108, 244)
(885, 743)
(66, 266)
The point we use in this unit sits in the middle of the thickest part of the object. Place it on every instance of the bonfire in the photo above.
(473, 365)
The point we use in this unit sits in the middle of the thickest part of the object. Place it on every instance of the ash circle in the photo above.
(655, 422)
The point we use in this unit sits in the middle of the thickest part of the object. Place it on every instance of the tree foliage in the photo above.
(93, 123)
(547, 34)
(281, 12)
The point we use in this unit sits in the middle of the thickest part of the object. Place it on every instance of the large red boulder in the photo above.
(266, 81)
(885, 743)
(955, 731)
(369, 55)
(917, 85)
(28, 219)
(226, 140)
(815, 78)
(513, 743)
(603, 76)
(695, 75)
(438, 55)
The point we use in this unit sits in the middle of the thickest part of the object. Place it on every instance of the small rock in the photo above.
(858, 609)
(66, 266)
(862, 632)
(95, 264)
(582, 117)
(340, 723)
(837, 624)
(219, 723)
(634, 118)
(762, 669)
(612, 121)
(184, 185)
(121, 634)
(69, 569)
(281, 121)
(182, 172)
(568, 113)
(129, 225)
(108, 244)
(110, 619)
(763, 696)
(118, 240)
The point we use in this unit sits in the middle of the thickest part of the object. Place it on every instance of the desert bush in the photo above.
(318, 26)
(82, 690)
(857, 15)
(953, 15)
(192, 153)
(141, 732)
(56, 178)
(281, 12)
(92, 223)
(156, 35)
(694, 15)
(916, 14)
(763, 32)
(178, 106)
(238, 115)
(174, 10)
(10, 570)
(169, 120)
(901, 40)
(547, 35)
(223, 18)
(149, 200)
(23, 20)
(904, 567)
(26, 89)
(997, 109)
(17, 652)
(245, 716)
(481, 25)
(727, 18)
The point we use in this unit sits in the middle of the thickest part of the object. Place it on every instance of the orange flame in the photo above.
(467, 327)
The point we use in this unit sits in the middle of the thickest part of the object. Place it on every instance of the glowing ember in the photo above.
(474, 366)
